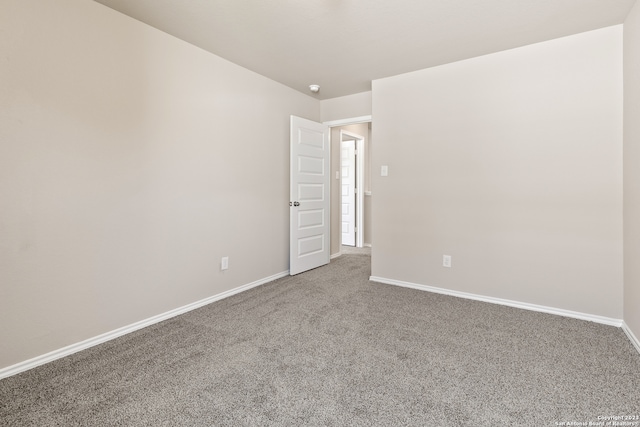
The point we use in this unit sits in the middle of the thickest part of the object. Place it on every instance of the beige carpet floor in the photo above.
(330, 348)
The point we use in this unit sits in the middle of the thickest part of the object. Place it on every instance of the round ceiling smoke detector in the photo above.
(314, 88)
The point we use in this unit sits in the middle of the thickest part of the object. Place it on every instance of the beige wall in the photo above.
(130, 163)
(632, 171)
(346, 107)
(512, 164)
(361, 129)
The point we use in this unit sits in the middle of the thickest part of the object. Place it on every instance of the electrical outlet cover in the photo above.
(446, 260)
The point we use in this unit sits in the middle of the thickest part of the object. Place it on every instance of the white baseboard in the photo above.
(634, 340)
(74, 348)
(336, 255)
(500, 301)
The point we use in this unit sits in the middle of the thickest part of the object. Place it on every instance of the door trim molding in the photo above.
(346, 122)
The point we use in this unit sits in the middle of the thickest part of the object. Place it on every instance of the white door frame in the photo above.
(359, 185)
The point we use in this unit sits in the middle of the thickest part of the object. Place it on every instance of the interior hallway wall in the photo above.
(512, 164)
(130, 163)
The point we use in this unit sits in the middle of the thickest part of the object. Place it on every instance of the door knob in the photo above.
(296, 203)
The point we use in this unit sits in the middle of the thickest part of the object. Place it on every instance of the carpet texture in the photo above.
(330, 348)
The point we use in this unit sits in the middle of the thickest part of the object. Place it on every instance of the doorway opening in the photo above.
(351, 189)
(361, 128)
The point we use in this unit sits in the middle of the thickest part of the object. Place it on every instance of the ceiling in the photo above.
(343, 45)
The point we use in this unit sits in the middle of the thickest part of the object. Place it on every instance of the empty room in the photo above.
(320, 212)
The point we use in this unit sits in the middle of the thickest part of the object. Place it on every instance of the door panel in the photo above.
(348, 197)
(310, 201)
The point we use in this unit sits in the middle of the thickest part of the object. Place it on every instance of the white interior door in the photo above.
(347, 192)
(310, 199)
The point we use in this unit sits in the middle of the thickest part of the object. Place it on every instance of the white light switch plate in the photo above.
(384, 170)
